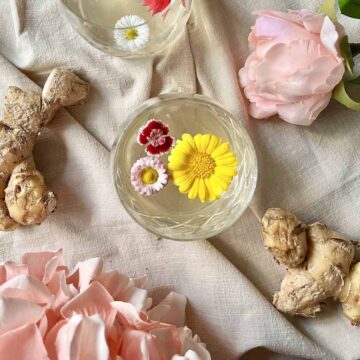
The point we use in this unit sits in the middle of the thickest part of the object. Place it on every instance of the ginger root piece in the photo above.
(350, 295)
(284, 236)
(324, 273)
(28, 199)
(320, 277)
(26, 113)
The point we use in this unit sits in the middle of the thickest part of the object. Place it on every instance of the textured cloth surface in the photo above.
(229, 280)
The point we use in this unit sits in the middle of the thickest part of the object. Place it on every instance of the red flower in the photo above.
(154, 135)
(157, 6)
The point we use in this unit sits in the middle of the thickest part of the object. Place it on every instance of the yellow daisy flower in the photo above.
(202, 166)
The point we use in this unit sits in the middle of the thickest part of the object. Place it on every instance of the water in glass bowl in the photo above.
(96, 19)
(170, 213)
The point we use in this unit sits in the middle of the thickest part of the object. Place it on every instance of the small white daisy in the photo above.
(149, 176)
(131, 33)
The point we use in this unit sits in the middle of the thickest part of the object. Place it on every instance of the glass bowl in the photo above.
(170, 214)
(126, 28)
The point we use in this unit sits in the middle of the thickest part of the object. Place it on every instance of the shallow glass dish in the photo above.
(97, 22)
(170, 214)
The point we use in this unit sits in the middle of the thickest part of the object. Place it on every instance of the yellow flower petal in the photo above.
(225, 170)
(224, 183)
(194, 191)
(220, 150)
(181, 179)
(203, 194)
(186, 184)
(230, 161)
(197, 139)
(189, 140)
(204, 142)
(210, 190)
(185, 147)
(213, 143)
(216, 186)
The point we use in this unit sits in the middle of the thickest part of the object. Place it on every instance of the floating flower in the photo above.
(202, 166)
(49, 312)
(131, 33)
(148, 176)
(295, 65)
(157, 6)
(155, 135)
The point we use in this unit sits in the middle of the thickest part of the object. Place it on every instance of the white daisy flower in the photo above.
(148, 176)
(131, 33)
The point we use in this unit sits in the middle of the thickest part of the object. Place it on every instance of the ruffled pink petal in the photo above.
(138, 345)
(167, 341)
(15, 313)
(330, 37)
(82, 338)
(27, 288)
(129, 317)
(50, 339)
(9, 269)
(284, 60)
(305, 111)
(37, 263)
(321, 76)
(281, 30)
(84, 272)
(114, 282)
(171, 310)
(136, 297)
(62, 291)
(94, 300)
(192, 348)
(23, 343)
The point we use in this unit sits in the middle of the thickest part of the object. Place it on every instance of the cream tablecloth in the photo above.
(229, 280)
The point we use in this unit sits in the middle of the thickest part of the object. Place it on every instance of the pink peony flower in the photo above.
(48, 312)
(295, 65)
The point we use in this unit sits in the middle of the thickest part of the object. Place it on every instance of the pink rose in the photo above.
(295, 65)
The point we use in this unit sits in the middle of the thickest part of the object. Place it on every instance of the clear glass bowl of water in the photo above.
(170, 214)
(127, 28)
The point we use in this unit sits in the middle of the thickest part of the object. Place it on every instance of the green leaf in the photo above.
(355, 81)
(327, 7)
(340, 95)
(350, 8)
(346, 53)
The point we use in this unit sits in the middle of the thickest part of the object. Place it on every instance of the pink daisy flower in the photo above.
(154, 135)
(149, 176)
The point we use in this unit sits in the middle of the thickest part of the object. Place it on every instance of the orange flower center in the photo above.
(202, 165)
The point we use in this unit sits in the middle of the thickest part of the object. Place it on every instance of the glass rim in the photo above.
(82, 18)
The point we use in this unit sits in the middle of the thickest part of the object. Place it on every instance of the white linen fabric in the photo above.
(229, 280)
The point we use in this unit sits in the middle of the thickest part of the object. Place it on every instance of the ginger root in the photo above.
(24, 197)
(285, 237)
(324, 272)
(350, 295)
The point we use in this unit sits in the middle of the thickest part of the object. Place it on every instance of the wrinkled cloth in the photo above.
(228, 280)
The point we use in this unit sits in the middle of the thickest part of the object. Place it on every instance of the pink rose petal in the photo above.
(138, 345)
(171, 310)
(15, 313)
(28, 288)
(94, 300)
(82, 338)
(23, 343)
(37, 262)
